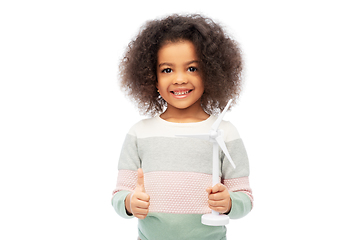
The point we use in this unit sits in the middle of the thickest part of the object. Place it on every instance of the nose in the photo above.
(180, 78)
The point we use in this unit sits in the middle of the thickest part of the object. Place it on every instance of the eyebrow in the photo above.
(187, 63)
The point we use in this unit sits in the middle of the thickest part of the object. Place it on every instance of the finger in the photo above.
(219, 209)
(217, 196)
(140, 181)
(141, 213)
(222, 203)
(142, 196)
(140, 204)
(141, 208)
(208, 190)
(140, 216)
(218, 188)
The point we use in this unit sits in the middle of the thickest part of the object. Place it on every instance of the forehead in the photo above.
(177, 52)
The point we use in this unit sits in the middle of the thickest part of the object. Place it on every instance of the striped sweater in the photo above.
(177, 172)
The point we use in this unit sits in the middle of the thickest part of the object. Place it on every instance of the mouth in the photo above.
(180, 92)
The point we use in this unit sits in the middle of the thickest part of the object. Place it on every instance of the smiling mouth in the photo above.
(179, 93)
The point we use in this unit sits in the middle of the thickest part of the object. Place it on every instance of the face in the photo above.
(179, 77)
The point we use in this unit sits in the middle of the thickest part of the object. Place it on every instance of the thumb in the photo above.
(218, 188)
(140, 181)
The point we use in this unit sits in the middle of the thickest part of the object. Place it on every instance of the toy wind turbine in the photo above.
(215, 136)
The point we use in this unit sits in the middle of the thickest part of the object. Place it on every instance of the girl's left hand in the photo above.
(219, 198)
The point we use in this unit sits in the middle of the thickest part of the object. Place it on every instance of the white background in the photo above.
(63, 117)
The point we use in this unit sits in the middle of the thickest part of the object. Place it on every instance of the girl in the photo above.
(181, 70)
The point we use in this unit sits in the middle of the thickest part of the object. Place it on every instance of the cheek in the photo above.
(201, 85)
(162, 87)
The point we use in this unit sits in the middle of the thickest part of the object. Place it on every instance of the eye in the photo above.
(192, 69)
(167, 70)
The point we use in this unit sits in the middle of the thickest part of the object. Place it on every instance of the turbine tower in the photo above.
(216, 137)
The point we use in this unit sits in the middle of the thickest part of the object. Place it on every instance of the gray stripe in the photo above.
(239, 156)
(175, 154)
(129, 157)
(181, 155)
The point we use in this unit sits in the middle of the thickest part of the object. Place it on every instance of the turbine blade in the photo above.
(220, 141)
(221, 116)
(204, 136)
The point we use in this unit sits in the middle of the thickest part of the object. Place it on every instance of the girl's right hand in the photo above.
(138, 202)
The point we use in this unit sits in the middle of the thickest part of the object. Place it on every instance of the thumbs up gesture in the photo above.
(138, 202)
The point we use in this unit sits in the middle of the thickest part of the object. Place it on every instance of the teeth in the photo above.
(181, 93)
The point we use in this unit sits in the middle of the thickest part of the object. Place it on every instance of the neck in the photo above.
(194, 113)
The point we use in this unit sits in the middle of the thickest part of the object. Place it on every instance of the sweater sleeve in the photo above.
(118, 202)
(241, 205)
(236, 180)
(129, 162)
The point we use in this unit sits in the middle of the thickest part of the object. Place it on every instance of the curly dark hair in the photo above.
(219, 55)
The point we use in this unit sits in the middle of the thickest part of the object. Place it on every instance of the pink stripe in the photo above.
(178, 192)
(126, 181)
(239, 185)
